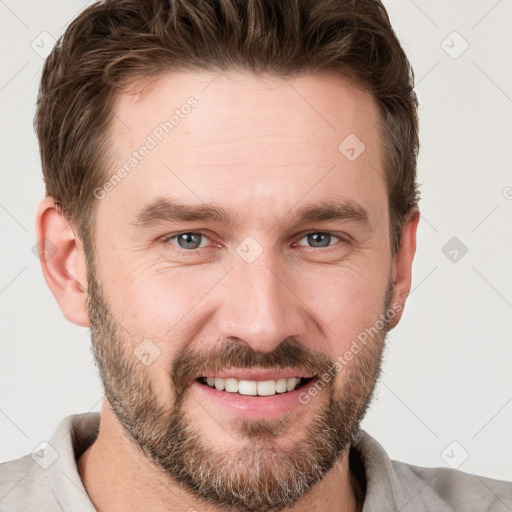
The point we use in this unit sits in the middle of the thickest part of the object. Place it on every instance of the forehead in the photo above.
(315, 107)
(247, 139)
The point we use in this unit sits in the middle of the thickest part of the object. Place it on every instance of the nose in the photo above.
(259, 305)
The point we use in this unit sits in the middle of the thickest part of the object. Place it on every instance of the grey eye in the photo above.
(188, 240)
(319, 239)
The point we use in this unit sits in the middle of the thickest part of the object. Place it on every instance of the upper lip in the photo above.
(258, 374)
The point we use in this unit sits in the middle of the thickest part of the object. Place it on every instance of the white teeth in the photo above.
(231, 385)
(267, 387)
(281, 385)
(247, 387)
(253, 387)
(291, 383)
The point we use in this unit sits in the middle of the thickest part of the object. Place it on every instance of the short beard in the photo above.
(259, 476)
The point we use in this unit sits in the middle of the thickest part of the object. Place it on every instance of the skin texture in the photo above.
(261, 148)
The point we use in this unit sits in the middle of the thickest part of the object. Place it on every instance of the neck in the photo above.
(119, 477)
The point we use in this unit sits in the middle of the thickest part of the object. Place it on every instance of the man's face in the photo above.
(256, 290)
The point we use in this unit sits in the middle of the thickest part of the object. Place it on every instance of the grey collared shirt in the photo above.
(48, 479)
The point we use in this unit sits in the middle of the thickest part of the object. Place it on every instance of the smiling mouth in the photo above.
(255, 387)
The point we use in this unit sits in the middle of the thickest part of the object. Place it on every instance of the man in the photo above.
(231, 193)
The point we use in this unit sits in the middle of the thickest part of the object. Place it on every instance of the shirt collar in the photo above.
(368, 460)
(70, 439)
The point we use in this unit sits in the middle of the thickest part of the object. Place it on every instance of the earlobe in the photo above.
(62, 261)
(401, 271)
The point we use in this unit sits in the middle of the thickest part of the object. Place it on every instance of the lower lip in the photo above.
(254, 407)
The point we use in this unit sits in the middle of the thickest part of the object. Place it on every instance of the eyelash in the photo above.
(168, 238)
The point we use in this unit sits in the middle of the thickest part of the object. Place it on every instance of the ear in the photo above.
(63, 261)
(402, 265)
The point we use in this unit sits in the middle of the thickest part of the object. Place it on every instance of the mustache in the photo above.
(290, 353)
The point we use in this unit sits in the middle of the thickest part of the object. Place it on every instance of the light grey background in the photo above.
(445, 397)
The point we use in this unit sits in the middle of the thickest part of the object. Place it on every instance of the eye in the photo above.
(187, 241)
(320, 239)
(190, 241)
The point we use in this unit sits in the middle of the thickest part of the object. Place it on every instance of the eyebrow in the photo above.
(162, 209)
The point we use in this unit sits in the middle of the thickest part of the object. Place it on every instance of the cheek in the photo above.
(165, 306)
(158, 309)
(346, 301)
(153, 300)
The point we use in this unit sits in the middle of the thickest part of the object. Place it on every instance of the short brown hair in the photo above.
(111, 43)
